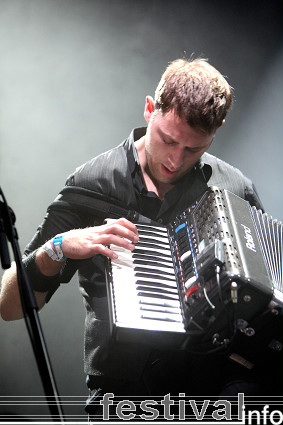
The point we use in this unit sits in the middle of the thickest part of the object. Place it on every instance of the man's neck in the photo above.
(160, 189)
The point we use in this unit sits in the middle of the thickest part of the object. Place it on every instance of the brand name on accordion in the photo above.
(249, 238)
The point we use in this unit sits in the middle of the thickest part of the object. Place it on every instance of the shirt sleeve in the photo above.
(60, 219)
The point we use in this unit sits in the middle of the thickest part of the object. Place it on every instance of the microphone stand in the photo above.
(29, 306)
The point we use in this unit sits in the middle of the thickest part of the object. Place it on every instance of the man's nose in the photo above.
(176, 158)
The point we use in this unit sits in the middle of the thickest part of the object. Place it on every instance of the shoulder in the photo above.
(96, 172)
(223, 170)
(226, 176)
(221, 165)
(101, 165)
(107, 174)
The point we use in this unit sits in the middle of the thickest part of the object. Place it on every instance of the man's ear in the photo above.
(149, 108)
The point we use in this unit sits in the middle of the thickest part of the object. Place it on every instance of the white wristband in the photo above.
(57, 242)
(56, 255)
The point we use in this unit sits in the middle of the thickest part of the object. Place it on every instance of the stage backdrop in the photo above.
(73, 80)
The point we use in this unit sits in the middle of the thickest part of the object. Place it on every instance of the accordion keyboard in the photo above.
(152, 302)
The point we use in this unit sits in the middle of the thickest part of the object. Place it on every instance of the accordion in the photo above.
(214, 270)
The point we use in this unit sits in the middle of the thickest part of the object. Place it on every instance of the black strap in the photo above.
(88, 201)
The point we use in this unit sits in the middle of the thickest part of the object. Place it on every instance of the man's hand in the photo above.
(80, 244)
(85, 243)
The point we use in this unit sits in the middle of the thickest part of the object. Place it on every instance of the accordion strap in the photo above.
(88, 201)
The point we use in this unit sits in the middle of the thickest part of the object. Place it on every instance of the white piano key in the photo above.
(152, 293)
(156, 251)
(137, 255)
(154, 229)
(149, 269)
(170, 310)
(141, 262)
(154, 236)
(148, 278)
(160, 316)
(158, 302)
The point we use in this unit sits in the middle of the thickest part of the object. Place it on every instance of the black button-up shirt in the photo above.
(117, 174)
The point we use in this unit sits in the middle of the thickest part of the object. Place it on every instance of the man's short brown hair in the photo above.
(196, 91)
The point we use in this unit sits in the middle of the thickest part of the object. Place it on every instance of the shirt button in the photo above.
(160, 220)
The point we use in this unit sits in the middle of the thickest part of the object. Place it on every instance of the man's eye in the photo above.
(193, 150)
(168, 143)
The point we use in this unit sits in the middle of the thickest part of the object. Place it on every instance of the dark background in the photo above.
(73, 79)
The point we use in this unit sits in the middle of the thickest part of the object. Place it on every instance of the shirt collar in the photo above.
(133, 159)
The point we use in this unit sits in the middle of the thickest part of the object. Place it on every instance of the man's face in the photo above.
(172, 147)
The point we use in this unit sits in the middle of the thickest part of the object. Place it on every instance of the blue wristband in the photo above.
(57, 242)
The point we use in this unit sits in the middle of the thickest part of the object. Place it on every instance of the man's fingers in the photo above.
(113, 239)
(107, 252)
(131, 226)
(124, 231)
